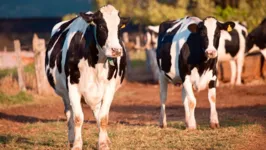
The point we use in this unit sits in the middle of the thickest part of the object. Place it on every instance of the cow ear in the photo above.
(228, 26)
(193, 28)
(87, 17)
(124, 21)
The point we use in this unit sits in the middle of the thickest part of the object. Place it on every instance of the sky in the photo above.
(42, 8)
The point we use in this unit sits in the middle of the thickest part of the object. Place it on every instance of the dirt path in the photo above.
(138, 103)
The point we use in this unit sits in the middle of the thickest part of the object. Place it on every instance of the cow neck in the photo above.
(110, 60)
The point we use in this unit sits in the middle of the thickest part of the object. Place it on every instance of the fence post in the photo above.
(38, 46)
(20, 68)
(137, 46)
(125, 37)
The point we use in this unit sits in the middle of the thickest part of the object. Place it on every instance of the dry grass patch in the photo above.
(53, 135)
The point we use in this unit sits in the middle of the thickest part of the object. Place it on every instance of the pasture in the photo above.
(41, 123)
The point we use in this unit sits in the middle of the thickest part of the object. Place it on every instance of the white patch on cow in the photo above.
(211, 25)
(263, 52)
(201, 82)
(154, 28)
(110, 15)
(255, 48)
(56, 27)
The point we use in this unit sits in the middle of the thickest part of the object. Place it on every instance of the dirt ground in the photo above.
(139, 104)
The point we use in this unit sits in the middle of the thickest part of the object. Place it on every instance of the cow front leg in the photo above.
(189, 102)
(163, 96)
(214, 122)
(78, 116)
(104, 141)
(233, 71)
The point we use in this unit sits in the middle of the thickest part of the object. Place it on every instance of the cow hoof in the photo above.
(214, 125)
(76, 148)
(104, 146)
(163, 125)
(70, 145)
(238, 84)
(191, 128)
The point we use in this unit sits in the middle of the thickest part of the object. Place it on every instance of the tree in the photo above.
(148, 11)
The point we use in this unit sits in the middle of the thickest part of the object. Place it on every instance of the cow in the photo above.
(151, 37)
(187, 54)
(85, 61)
(256, 40)
(232, 48)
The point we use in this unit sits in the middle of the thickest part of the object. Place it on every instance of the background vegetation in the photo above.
(154, 12)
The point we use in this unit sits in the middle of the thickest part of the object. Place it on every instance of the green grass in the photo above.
(6, 72)
(53, 135)
(138, 59)
(20, 98)
(13, 71)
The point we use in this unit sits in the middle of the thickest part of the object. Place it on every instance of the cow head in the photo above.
(209, 31)
(108, 24)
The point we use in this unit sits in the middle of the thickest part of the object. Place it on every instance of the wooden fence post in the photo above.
(125, 37)
(137, 46)
(38, 46)
(20, 68)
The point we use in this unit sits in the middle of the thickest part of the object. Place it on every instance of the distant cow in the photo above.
(85, 59)
(256, 40)
(187, 54)
(232, 48)
(151, 37)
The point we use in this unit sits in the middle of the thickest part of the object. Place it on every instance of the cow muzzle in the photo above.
(211, 53)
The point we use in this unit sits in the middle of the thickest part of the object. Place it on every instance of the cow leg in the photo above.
(233, 71)
(78, 116)
(70, 122)
(104, 141)
(240, 63)
(189, 102)
(163, 96)
(214, 122)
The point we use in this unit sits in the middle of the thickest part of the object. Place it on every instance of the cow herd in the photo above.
(86, 61)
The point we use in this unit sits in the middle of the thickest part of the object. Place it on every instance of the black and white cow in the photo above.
(85, 59)
(232, 48)
(187, 54)
(256, 40)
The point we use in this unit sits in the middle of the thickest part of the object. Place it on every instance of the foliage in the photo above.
(19, 98)
(156, 11)
(249, 12)
(148, 11)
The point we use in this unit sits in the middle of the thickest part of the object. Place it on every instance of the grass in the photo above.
(53, 135)
(13, 71)
(138, 58)
(19, 98)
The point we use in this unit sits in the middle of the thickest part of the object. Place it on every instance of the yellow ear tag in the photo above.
(229, 28)
(123, 26)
